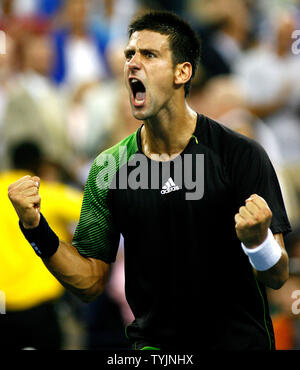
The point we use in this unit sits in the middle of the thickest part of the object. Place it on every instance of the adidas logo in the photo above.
(169, 186)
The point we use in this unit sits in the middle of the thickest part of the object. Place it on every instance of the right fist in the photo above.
(24, 195)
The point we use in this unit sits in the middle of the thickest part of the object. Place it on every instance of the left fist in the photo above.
(252, 221)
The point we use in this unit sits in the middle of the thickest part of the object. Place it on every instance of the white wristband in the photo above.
(266, 255)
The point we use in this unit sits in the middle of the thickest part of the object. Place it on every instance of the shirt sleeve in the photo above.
(96, 234)
(253, 173)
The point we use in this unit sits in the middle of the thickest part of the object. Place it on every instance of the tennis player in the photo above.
(197, 259)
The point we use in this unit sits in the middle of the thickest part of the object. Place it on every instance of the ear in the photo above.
(183, 73)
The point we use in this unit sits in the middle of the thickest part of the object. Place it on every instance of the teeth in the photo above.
(134, 80)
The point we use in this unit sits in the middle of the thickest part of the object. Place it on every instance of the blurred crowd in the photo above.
(63, 101)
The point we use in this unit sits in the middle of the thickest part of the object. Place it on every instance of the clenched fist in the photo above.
(24, 195)
(252, 221)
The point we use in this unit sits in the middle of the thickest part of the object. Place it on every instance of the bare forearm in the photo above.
(85, 277)
(252, 228)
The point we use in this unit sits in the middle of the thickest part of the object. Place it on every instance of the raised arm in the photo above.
(266, 251)
(85, 277)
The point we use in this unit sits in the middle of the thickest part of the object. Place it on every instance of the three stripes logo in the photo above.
(169, 186)
(35, 247)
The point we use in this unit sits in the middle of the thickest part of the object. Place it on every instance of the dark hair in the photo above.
(184, 41)
(26, 155)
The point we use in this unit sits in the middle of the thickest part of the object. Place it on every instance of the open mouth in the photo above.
(138, 92)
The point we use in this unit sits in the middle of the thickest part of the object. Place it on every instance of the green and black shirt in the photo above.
(187, 279)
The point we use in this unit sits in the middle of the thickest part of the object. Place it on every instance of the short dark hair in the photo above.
(184, 41)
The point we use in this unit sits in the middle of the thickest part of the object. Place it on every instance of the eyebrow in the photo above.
(143, 50)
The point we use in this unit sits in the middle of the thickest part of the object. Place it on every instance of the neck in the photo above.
(166, 135)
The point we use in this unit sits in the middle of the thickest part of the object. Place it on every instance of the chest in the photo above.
(193, 186)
